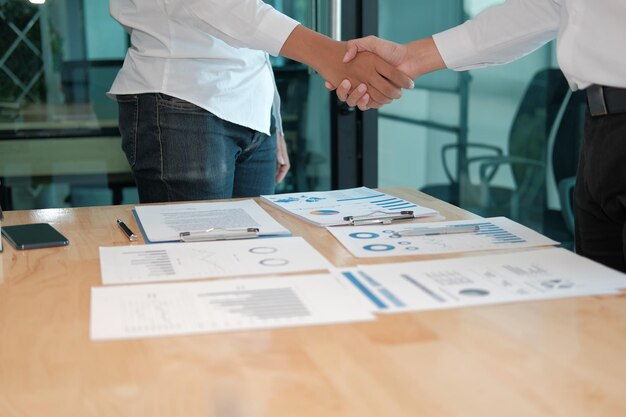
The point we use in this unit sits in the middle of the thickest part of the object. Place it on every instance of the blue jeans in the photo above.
(179, 152)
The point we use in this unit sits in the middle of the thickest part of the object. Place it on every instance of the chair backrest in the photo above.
(530, 130)
(529, 140)
(567, 140)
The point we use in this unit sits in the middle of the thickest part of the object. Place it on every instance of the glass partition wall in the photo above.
(59, 143)
(59, 140)
(495, 141)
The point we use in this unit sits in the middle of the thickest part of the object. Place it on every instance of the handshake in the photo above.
(365, 73)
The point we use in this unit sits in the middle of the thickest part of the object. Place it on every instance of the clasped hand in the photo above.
(411, 60)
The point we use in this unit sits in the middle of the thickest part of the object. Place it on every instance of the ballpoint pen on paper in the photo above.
(129, 233)
(219, 234)
(384, 218)
(439, 230)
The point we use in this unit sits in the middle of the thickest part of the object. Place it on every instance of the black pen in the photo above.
(129, 233)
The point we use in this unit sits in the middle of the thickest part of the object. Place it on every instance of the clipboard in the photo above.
(256, 218)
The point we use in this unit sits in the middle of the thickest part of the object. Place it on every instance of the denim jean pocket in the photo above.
(128, 120)
(176, 103)
(126, 98)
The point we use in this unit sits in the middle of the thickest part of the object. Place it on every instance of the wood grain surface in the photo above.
(550, 358)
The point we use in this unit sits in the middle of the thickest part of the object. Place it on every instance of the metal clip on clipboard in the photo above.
(219, 234)
(384, 218)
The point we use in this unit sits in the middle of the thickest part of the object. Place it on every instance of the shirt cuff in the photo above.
(276, 27)
(456, 49)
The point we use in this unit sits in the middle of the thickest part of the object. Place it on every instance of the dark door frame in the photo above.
(354, 134)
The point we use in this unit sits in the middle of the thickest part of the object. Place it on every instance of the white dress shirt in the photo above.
(208, 52)
(590, 38)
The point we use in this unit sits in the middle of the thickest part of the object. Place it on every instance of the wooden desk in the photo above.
(552, 358)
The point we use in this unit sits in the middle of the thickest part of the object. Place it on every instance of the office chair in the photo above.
(527, 143)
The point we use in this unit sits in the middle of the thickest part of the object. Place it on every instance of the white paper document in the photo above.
(138, 311)
(480, 280)
(181, 261)
(329, 208)
(388, 240)
(165, 222)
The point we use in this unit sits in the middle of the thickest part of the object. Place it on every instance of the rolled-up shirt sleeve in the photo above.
(499, 34)
(240, 23)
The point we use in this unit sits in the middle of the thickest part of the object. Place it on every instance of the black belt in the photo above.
(606, 100)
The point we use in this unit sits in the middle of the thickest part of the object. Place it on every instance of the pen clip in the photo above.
(384, 218)
(219, 234)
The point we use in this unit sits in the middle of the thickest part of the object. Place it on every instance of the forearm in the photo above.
(422, 57)
(312, 48)
(326, 57)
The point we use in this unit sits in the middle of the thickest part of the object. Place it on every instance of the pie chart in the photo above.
(324, 212)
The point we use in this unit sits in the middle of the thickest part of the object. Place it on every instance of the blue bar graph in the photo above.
(498, 234)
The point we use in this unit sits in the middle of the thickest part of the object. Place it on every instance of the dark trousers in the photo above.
(600, 196)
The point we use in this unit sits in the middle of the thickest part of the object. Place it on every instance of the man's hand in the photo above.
(395, 54)
(414, 59)
(384, 83)
(282, 158)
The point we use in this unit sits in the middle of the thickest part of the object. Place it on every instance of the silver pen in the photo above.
(383, 218)
(219, 234)
(439, 230)
(129, 233)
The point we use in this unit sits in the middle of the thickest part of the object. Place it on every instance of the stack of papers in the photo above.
(165, 222)
(480, 280)
(329, 208)
(277, 298)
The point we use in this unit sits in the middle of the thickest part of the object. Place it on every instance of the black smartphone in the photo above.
(34, 235)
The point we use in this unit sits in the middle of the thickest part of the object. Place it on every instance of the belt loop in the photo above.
(596, 101)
